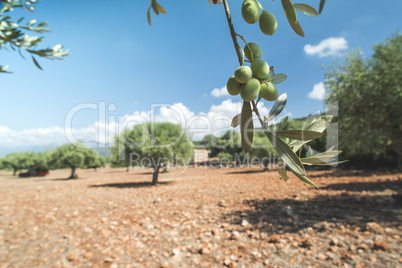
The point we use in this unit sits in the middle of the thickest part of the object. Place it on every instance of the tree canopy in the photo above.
(153, 145)
(369, 97)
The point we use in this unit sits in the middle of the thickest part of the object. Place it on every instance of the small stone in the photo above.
(381, 245)
(108, 259)
(176, 251)
(165, 254)
(227, 261)
(321, 256)
(373, 226)
(244, 223)
(88, 255)
(235, 235)
(275, 238)
(165, 265)
(205, 251)
(372, 259)
(334, 241)
(72, 256)
(157, 200)
(222, 203)
(104, 219)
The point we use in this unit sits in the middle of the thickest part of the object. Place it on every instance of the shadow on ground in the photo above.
(363, 186)
(347, 208)
(248, 171)
(132, 184)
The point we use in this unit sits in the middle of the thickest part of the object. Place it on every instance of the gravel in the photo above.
(200, 217)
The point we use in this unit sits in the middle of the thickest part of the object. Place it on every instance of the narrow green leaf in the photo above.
(306, 9)
(160, 8)
(296, 27)
(155, 6)
(303, 135)
(279, 78)
(306, 180)
(149, 16)
(322, 2)
(286, 153)
(246, 126)
(36, 63)
(321, 158)
(236, 121)
(320, 124)
(282, 170)
(277, 108)
(290, 10)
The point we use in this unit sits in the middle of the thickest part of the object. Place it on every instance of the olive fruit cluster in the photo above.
(251, 12)
(251, 81)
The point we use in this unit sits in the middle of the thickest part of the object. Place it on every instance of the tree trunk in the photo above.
(72, 173)
(155, 174)
(95, 169)
(15, 172)
(265, 164)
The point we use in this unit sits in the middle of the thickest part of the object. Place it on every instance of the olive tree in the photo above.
(73, 156)
(255, 80)
(369, 96)
(14, 162)
(16, 34)
(154, 145)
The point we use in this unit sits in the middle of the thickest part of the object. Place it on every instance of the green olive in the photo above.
(249, 91)
(269, 91)
(243, 74)
(250, 10)
(232, 86)
(260, 68)
(268, 23)
(252, 51)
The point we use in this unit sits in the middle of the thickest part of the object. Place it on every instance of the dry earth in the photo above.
(202, 217)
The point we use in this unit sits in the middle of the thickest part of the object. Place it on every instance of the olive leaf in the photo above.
(236, 121)
(246, 126)
(305, 179)
(321, 158)
(306, 9)
(290, 10)
(149, 16)
(296, 27)
(160, 8)
(303, 135)
(322, 2)
(279, 78)
(36, 63)
(155, 6)
(286, 153)
(277, 107)
(317, 125)
(282, 170)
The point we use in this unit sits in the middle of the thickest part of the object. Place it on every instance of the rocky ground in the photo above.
(201, 217)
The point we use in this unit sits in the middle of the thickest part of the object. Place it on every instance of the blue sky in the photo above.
(116, 58)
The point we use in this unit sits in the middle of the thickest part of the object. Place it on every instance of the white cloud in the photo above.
(220, 92)
(328, 47)
(318, 92)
